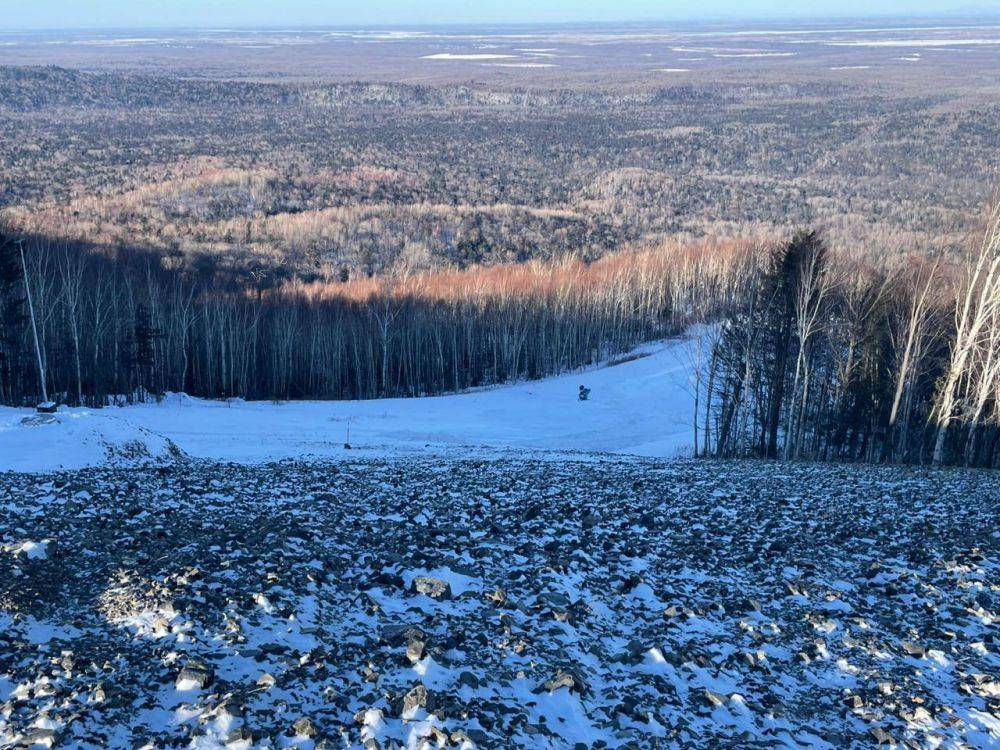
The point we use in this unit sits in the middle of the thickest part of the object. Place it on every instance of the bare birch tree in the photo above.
(978, 299)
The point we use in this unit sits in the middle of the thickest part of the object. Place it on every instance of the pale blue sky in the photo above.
(66, 14)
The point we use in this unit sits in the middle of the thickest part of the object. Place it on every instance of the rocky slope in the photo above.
(431, 603)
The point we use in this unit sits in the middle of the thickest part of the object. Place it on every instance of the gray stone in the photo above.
(435, 588)
(196, 672)
(416, 698)
(304, 728)
(239, 735)
(562, 679)
(266, 680)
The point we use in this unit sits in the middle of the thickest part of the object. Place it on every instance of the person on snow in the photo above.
(584, 393)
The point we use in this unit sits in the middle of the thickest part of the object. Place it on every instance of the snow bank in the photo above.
(642, 406)
(76, 438)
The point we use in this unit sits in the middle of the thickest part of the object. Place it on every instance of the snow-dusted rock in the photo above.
(272, 594)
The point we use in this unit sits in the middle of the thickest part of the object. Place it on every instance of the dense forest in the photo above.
(802, 351)
(321, 179)
(130, 324)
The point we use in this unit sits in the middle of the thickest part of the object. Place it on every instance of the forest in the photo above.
(319, 179)
(802, 351)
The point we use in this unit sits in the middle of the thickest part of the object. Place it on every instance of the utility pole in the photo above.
(34, 326)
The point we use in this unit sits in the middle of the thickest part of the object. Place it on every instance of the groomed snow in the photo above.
(642, 406)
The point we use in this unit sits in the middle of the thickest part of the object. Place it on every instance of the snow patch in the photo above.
(30, 550)
(521, 65)
(916, 43)
(77, 438)
(756, 54)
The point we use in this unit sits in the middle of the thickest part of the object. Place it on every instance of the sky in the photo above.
(69, 14)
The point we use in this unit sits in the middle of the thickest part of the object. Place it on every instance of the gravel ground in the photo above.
(506, 603)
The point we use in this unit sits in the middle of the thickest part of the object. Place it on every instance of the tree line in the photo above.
(126, 325)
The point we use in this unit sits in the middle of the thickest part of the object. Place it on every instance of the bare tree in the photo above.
(978, 299)
(34, 327)
(910, 340)
(72, 268)
(811, 284)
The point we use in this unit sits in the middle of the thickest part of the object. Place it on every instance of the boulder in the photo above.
(435, 588)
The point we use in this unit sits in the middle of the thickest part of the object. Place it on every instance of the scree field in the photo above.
(431, 602)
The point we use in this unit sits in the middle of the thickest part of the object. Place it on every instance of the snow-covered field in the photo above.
(643, 406)
(477, 56)
(428, 602)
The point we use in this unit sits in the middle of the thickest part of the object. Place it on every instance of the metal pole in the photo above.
(34, 327)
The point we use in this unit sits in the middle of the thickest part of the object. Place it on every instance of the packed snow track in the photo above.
(640, 405)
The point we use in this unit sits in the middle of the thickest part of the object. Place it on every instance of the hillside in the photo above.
(642, 406)
(551, 385)
(419, 602)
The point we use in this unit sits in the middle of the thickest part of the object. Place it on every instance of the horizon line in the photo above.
(978, 15)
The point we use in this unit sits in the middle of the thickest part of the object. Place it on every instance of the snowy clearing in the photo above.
(475, 56)
(642, 406)
(756, 54)
(916, 43)
(521, 65)
(427, 602)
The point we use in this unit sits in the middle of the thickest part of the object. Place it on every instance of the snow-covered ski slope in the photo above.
(640, 406)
